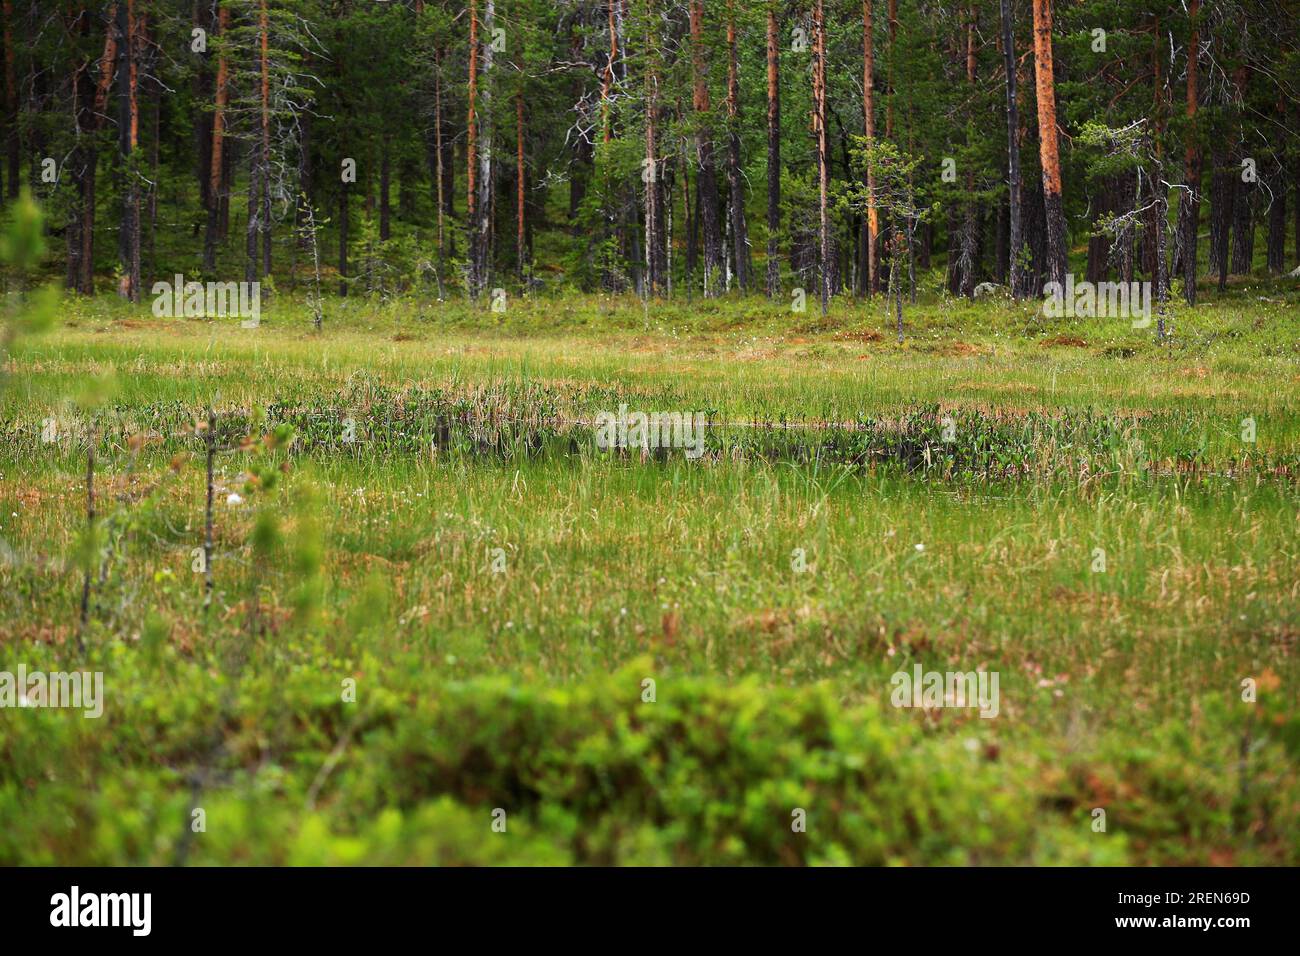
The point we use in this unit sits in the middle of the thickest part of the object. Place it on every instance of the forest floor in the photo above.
(446, 627)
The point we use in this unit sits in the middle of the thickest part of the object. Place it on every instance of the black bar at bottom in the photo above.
(333, 907)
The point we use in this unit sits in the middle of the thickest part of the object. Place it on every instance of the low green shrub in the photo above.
(707, 773)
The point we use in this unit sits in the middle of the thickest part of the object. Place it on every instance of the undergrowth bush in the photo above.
(707, 773)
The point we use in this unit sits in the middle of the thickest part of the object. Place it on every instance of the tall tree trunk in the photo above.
(583, 154)
(1001, 243)
(265, 144)
(35, 83)
(343, 239)
(1156, 226)
(128, 141)
(86, 284)
(773, 152)
(823, 159)
(869, 279)
(1223, 182)
(86, 111)
(1103, 202)
(735, 189)
(707, 177)
(1016, 240)
(1034, 227)
(483, 205)
(72, 236)
(607, 77)
(1243, 229)
(83, 96)
(1295, 184)
(610, 278)
(953, 224)
(580, 179)
(385, 188)
(888, 230)
(535, 206)
(107, 66)
(1160, 211)
(651, 178)
(893, 35)
(1243, 200)
(216, 168)
(1049, 156)
(229, 160)
(1189, 205)
(521, 245)
(257, 166)
(12, 148)
(252, 225)
(155, 98)
(306, 200)
(970, 254)
(448, 167)
(1243, 213)
(691, 215)
(202, 94)
(1161, 221)
(438, 167)
(471, 154)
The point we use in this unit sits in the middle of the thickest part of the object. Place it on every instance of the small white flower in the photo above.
(233, 499)
(920, 547)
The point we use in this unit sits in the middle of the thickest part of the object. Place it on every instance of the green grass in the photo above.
(521, 689)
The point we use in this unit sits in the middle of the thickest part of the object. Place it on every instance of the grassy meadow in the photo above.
(437, 624)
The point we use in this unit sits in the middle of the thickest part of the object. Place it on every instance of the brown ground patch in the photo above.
(32, 632)
(1070, 341)
(865, 335)
(952, 348)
